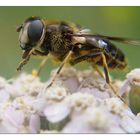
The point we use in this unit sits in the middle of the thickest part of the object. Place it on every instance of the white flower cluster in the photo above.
(76, 103)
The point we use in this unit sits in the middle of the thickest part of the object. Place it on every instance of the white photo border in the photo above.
(69, 2)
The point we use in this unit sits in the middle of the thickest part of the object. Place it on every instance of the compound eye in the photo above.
(35, 30)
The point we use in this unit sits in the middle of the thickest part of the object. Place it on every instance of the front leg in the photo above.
(43, 62)
(26, 57)
(39, 53)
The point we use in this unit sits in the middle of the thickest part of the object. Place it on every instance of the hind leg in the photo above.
(94, 56)
(94, 66)
(106, 71)
(86, 57)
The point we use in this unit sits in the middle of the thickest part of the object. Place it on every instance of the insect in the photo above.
(69, 43)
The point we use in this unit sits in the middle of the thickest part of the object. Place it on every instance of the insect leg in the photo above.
(39, 53)
(86, 57)
(108, 77)
(26, 57)
(98, 70)
(42, 64)
(25, 60)
(60, 68)
(89, 56)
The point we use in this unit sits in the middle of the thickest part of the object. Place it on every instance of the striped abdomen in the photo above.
(115, 57)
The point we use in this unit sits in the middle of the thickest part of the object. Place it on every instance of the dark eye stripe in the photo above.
(35, 30)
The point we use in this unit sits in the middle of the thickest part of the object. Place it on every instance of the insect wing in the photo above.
(118, 39)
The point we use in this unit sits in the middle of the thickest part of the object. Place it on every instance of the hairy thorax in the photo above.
(58, 42)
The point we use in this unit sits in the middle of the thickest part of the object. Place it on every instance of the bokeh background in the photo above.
(115, 21)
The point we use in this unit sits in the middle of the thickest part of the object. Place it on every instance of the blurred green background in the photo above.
(115, 21)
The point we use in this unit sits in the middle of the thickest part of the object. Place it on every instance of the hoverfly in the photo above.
(69, 43)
